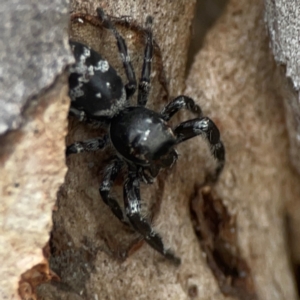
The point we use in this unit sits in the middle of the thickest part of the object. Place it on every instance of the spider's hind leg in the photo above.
(144, 84)
(87, 146)
(81, 116)
(107, 23)
(139, 223)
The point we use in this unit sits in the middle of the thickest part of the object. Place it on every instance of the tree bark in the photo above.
(232, 78)
(34, 106)
(283, 24)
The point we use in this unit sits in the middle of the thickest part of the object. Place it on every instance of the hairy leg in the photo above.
(88, 145)
(144, 84)
(206, 128)
(131, 85)
(110, 175)
(133, 211)
(180, 102)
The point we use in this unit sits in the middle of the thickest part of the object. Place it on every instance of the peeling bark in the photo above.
(32, 169)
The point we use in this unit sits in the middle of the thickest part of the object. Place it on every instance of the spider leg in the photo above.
(148, 174)
(140, 224)
(79, 114)
(110, 175)
(144, 84)
(180, 102)
(83, 117)
(88, 145)
(131, 85)
(205, 127)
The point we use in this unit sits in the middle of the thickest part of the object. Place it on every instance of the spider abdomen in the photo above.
(95, 86)
(141, 135)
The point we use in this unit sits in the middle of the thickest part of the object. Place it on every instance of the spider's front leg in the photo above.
(180, 102)
(132, 203)
(148, 174)
(207, 128)
(199, 126)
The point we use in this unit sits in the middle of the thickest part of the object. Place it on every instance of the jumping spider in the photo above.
(142, 139)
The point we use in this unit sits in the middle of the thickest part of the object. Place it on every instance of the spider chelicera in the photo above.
(142, 139)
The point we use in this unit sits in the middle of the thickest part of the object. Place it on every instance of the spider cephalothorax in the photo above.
(142, 138)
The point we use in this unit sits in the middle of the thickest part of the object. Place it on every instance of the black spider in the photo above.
(142, 138)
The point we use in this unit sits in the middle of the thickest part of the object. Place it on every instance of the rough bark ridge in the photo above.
(283, 24)
(32, 169)
(32, 34)
(239, 78)
(282, 19)
(34, 105)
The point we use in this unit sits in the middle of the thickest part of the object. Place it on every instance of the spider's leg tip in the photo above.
(100, 13)
(149, 21)
(174, 259)
(177, 261)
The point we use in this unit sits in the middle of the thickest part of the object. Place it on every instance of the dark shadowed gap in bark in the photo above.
(217, 235)
(206, 14)
(296, 270)
(297, 275)
(295, 264)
